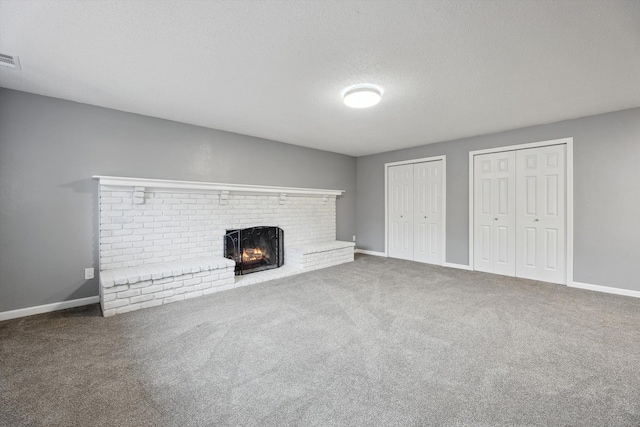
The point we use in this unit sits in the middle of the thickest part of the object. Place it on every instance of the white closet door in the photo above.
(427, 190)
(495, 213)
(401, 211)
(541, 214)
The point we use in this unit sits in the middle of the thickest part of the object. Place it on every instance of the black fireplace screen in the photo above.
(255, 249)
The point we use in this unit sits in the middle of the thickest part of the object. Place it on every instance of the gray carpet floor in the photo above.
(377, 342)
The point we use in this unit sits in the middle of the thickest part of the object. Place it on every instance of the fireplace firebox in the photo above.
(255, 249)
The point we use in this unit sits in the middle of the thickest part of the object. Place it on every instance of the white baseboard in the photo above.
(47, 308)
(606, 289)
(374, 253)
(458, 266)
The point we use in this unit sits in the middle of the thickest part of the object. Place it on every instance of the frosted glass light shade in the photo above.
(362, 96)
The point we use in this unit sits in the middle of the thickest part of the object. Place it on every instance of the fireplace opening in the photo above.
(255, 249)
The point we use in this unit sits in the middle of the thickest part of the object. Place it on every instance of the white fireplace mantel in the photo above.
(166, 184)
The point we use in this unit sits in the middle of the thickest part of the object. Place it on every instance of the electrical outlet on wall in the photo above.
(354, 237)
(88, 273)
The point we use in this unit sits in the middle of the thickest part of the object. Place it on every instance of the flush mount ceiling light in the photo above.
(361, 96)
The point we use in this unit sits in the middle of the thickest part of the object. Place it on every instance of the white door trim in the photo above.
(444, 200)
(569, 143)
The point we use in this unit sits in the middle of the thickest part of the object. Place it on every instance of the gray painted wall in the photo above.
(50, 148)
(606, 193)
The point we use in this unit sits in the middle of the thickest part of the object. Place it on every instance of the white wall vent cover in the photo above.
(10, 61)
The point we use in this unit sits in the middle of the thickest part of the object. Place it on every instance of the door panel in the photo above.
(504, 213)
(483, 220)
(436, 197)
(503, 196)
(552, 195)
(394, 238)
(434, 239)
(401, 211)
(531, 198)
(494, 213)
(486, 253)
(541, 213)
(405, 240)
(428, 211)
(503, 247)
(551, 240)
(530, 247)
(485, 196)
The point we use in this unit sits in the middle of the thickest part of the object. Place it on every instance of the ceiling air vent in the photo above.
(9, 61)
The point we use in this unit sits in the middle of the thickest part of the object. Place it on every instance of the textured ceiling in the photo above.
(275, 69)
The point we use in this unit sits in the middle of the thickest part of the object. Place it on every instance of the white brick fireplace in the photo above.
(162, 241)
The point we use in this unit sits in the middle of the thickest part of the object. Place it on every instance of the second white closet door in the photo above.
(520, 213)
